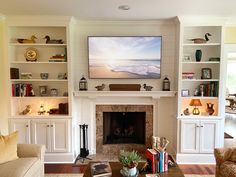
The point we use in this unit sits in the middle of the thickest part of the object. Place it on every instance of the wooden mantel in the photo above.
(152, 94)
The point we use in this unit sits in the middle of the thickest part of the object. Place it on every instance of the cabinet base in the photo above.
(195, 158)
(59, 158)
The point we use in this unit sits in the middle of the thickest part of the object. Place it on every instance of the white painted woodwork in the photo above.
(189, 136)
(199, 136)
(23, 127)
(41, 133)
(60, 135)
(209, 135)
(52, 130)
(53, 133)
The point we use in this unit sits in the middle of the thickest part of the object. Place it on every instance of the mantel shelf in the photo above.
(152, 94)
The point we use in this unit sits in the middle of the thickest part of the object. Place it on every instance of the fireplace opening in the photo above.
(124, 127)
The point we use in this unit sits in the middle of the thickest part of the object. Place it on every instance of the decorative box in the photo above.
(187, 75)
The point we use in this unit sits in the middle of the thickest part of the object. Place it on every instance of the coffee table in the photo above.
(116, 167)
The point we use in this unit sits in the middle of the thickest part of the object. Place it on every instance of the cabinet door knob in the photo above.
(27, 125)
(47, 125)
(201, 125)
(197, 126)
(51, 125)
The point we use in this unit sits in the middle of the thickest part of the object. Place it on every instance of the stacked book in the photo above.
(21, 90)
(57, 58)
(211, 89)
(158, 160)
(101, 169)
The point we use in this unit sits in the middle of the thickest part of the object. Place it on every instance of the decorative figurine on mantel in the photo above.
(147, 87)
(100, 87)
(53, 41)
(31, 40)
(201, 40)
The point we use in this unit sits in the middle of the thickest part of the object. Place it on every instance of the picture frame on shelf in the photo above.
(206, 73)
(187, 58)
(185, 92)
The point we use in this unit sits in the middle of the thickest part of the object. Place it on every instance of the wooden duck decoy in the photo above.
(100, 87)
(201, 40)
(147, 88)
(31, 40)
(53, 41)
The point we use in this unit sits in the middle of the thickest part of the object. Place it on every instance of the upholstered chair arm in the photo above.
(31, 150)
(221, 155)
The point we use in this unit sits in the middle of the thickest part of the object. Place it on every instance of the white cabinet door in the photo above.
(190, 136)
(23, 128)
(41, 133)
(60, 135)
(209, 135)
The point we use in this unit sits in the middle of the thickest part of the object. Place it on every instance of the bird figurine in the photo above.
(52, 41)
(31, 40)
(201, 40)
(147, 88)
(100, 87)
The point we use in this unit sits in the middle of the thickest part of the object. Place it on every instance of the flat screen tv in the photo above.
(136, 57)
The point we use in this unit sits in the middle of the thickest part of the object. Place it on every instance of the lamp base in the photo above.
(196, 111)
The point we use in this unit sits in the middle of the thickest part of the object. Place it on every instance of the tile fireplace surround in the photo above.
(115, 148)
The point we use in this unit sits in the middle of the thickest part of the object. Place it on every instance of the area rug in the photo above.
(64, 175)
(199, 175)
(81, 175)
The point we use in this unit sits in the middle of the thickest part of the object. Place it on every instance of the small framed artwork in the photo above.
(206, 73)
(185, 92)
(187, 58)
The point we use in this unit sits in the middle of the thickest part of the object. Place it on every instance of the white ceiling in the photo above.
(108, 9)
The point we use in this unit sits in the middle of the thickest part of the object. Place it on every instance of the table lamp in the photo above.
(195, 102)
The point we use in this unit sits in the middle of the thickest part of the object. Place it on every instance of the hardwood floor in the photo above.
(70, 168)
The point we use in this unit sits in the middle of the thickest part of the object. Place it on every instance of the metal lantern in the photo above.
(166, 84)
(83, 85)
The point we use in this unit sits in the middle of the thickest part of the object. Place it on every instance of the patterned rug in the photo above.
(81, 175)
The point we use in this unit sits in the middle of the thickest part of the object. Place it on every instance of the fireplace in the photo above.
(123, 127)
(128, 127)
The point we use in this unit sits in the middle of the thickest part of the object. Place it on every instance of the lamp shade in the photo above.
(195, 102)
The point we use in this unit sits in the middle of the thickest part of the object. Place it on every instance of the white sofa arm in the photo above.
(31, 150)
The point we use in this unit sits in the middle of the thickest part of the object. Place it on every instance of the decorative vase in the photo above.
(210, 109)
(128, 172)
(198, 55)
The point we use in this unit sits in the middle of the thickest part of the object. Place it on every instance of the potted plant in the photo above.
(129, 160)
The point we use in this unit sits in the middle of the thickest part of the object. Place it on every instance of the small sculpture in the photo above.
(53, 41)
(186, 112)
(27, 110)
(100, 87)
(31, 40)
(201, 40)
(147, 88)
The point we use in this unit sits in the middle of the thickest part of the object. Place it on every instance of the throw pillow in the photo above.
(8, 147)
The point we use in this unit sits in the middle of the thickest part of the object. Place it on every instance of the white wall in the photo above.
(167, 122)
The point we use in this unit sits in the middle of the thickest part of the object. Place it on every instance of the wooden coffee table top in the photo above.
(116, 167)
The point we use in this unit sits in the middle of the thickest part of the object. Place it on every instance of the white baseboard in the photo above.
(59, 158)
(195, 158)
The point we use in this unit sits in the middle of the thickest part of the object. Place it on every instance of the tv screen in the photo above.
(124, 57)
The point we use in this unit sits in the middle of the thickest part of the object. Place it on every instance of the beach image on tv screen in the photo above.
(124, 57)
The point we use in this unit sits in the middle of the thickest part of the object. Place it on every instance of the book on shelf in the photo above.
(158, 160)
(22, 90)
(101, 169)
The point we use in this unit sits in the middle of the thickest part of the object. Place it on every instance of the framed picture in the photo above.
(185, 92)
(187, 58)
(206, 73)
(43, 90)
